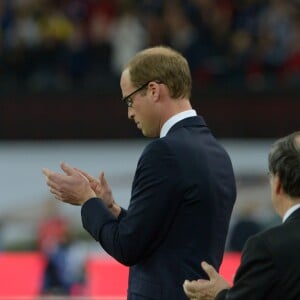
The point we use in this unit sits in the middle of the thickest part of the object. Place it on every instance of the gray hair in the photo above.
(284, 161)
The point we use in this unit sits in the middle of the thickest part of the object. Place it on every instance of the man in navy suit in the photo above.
(183, 191)
(270, 260)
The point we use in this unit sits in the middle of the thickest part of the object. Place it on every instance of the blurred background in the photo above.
(60, 63)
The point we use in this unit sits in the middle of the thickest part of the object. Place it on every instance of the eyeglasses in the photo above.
(128, 99)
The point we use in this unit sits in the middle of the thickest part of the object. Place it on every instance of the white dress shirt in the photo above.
(175, 119)
(290, 211)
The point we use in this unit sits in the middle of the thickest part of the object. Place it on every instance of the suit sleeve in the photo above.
(152, 208)
(256, 275)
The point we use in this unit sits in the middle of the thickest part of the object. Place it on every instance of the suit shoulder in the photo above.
(156, 146)
(270, 238)
(263, 235)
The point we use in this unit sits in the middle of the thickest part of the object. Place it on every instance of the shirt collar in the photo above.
(175, 119)
(289, 212)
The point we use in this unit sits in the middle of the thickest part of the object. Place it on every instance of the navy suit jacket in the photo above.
(182, 198)
(270, 265)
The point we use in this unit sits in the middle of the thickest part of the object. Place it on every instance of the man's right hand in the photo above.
(100, 187)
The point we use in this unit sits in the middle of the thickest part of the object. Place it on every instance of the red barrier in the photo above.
(21, 275)
(230, 263)
(106, 277)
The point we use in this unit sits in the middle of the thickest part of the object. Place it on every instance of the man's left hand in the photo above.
(71, 187)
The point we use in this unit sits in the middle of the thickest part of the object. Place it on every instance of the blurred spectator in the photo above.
(291, 67)
(274, 37)
(183, 35)
(151, 16)
(61, 45)
(244, 226)
(127, 36)
(1, 233)
(55, 242)
(101, 15)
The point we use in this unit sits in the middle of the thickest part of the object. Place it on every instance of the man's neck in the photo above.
(174, 107)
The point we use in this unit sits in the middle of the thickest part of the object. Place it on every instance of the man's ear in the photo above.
(154, 89)
(277, 185)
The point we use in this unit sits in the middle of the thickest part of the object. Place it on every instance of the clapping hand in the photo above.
(71, 187)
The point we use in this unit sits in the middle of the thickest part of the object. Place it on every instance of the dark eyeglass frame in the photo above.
(129, 101)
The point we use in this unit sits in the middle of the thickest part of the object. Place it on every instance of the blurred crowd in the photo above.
(62, 45)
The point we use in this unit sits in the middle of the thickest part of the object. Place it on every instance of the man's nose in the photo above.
(130, 113)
